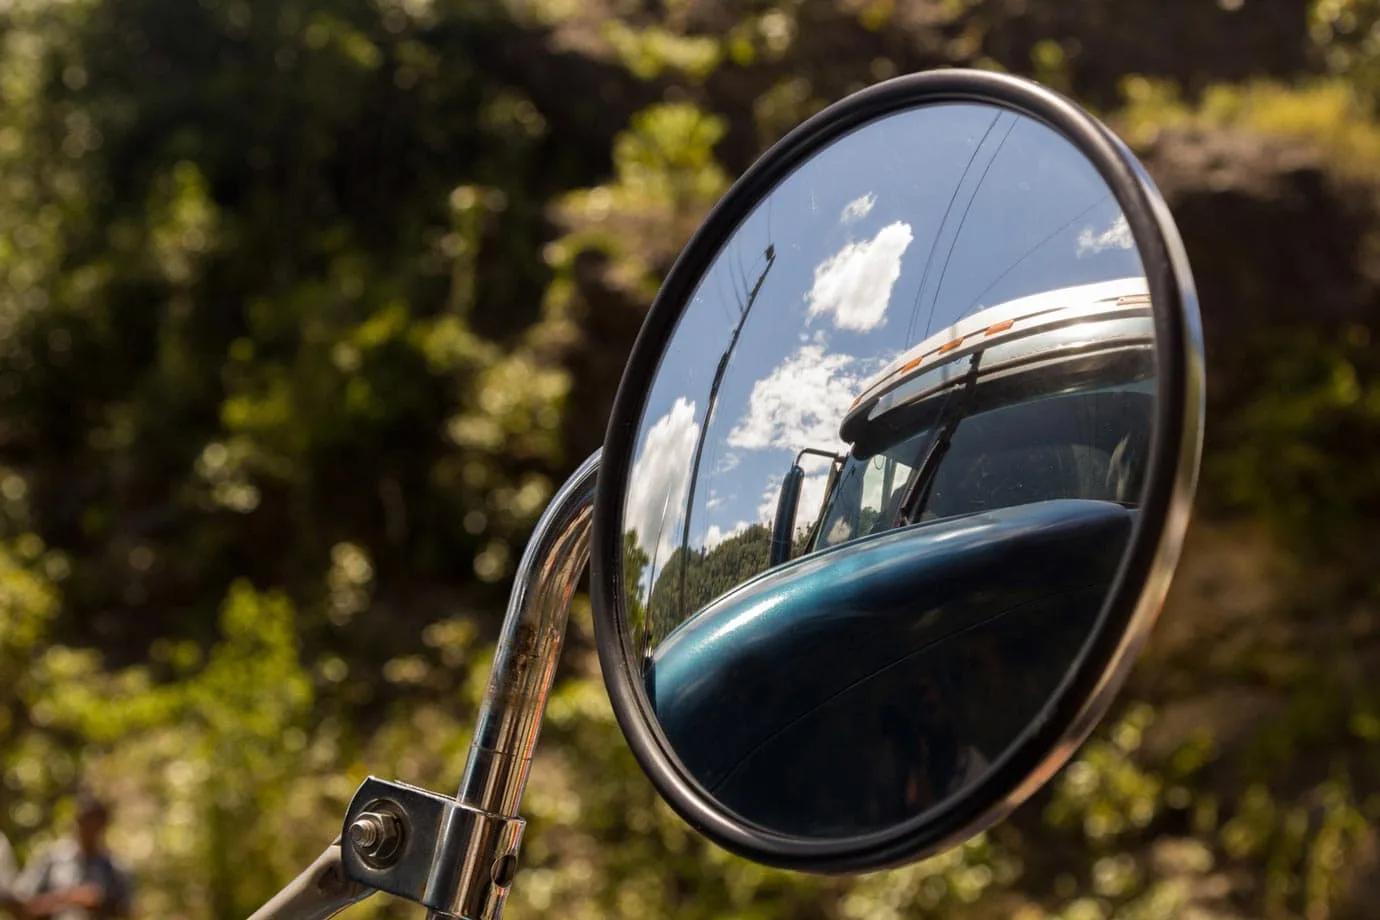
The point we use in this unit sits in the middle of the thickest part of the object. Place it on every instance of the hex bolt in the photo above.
(376, 837)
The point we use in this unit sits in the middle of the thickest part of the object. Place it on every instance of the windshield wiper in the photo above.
(954, 411)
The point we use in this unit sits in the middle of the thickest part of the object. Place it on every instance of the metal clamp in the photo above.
(451, 858)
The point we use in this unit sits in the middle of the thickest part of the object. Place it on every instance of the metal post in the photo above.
(529, 648)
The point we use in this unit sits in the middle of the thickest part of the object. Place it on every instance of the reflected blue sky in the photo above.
(883, 238)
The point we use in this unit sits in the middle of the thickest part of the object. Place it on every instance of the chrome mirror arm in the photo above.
(321, 891)
(530, 647)
(457, 857)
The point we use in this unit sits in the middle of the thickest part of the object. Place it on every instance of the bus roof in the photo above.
(1115, 313)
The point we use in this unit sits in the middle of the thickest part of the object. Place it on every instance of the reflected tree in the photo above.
(706, 575)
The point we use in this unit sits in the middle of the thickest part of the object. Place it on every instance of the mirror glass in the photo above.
(887, 469)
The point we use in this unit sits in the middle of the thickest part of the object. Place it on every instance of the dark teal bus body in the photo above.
(862, 680)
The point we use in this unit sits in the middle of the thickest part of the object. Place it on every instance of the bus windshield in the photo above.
(1087, 444)
(867, 492)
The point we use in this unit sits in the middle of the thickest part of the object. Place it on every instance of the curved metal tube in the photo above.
(321, 891)
(529, 648)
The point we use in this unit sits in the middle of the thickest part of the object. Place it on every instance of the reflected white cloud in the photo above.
(858, 208)
(854, 285)
(717, 534)
(800, 404)
(1117, 236)
(807, 509)
(660, 479)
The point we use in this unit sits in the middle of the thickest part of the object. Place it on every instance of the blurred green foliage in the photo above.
(306, 305)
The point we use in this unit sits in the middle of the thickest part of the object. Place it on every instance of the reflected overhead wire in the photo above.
(1031, 251)
(925, 274)
(953, 244)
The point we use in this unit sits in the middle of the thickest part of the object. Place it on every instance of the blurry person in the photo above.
(9, 873)
(76, 878)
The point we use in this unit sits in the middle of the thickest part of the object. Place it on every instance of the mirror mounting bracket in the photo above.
(832, 455)
(451, 858)
(457, 857)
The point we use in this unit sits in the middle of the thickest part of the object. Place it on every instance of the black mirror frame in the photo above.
(1138, 590)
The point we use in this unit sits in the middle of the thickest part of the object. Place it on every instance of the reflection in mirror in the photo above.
(887, 469)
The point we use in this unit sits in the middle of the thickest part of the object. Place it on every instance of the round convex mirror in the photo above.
(897, 473)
